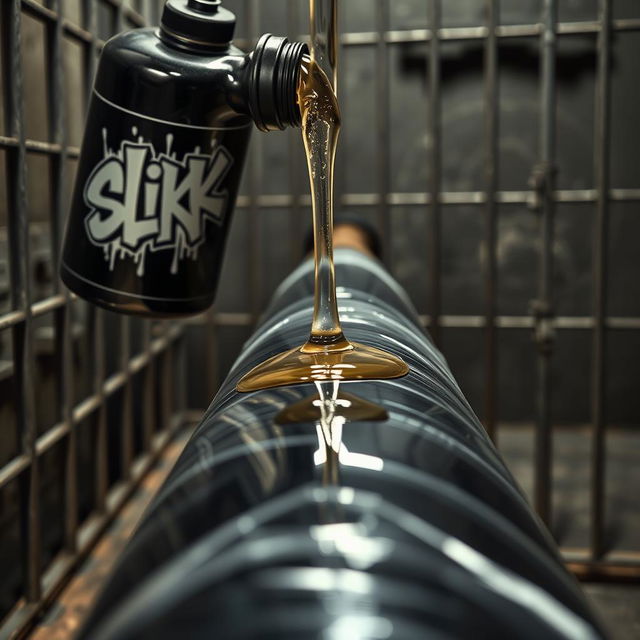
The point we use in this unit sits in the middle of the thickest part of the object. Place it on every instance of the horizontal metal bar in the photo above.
(85, 408)
(615, 566)
(127, 12)
(39, 308)
(82, 410)
(48, 304)
(277, 201)
(404, 36)
(40, 147)
(69, 28)
(604, 572)
(398, 36)
(224, 319)
(22, 619)
(13, 469)
(528, 322)
(452, 321)
(36, 10)
(49, 439)
(11, 319)
(568, 196)
(77, 33)
(133, 17)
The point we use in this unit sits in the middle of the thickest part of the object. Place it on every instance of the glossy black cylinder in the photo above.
(421, 533)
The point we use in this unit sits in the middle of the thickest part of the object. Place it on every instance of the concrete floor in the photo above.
(571, 477)
(617, 604)
(619, 608)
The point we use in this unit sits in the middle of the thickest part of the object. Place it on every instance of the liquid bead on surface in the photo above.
(360, 362)
(349, 406)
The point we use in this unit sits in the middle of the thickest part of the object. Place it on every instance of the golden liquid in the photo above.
(351, 407)
(327, 355)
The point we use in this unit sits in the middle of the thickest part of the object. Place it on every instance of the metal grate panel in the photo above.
(552, 26)
(87, 398)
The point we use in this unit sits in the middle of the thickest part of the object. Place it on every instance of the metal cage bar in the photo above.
(601, 172)
(295, 177)
(156, 362)
(434, 127)
(21, 300)
(543, 180)
(491, 98)
(400, 36)
(161, 353)
(55, 72)
(542, 196)
(412, 199)
(252, 9)
(382, 130)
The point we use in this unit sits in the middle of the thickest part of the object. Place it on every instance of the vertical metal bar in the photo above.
(118, 23)
(95, 316)
(342, 164)
(148, 389)
(127, 398)
(492, 8)
(154, 12)
(252, 11)
(543, 306)
(63, 315)
(126, 452)
(601, 171)
(96, 322)
(166, 388)
(211, 341)
(297, 216)
(18, 230)
(89, 49)
(382, 128)
(179, 373)
(435, 161)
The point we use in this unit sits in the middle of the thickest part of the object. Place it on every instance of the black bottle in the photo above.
(169, 123)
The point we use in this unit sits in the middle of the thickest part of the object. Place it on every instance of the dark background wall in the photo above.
(278, 156)
(266, 239)
(267, 232)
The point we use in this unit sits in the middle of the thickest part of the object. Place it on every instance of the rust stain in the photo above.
(67, 615)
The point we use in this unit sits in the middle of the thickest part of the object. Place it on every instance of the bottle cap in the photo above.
(199, 23)
(273, 98)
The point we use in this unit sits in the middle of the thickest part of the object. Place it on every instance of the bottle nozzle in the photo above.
(205, 6)
(272, 97)
(201, 25)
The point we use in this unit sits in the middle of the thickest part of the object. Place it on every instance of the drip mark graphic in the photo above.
(141, 200)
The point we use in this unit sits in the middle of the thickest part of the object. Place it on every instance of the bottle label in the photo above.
(152, 203)
(143, 199)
